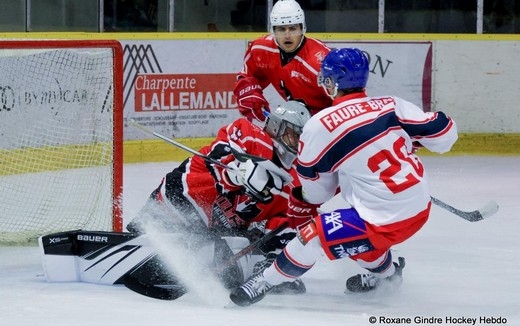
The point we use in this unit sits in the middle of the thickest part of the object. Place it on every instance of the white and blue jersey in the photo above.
(363, 146)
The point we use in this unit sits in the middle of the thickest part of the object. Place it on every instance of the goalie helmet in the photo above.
(287, 12)
(285, 125)
(344, 69)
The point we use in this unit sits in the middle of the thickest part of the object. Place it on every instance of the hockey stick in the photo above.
(252, 246)
(174, 291)
(473, 216)
(181, 146)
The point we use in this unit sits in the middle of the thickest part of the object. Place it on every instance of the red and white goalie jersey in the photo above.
(295, 80)
(365, 148)
(204, 187)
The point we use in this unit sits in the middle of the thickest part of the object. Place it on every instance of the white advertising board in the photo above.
(184, 88)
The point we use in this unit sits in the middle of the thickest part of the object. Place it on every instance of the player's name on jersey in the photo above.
(341, 113)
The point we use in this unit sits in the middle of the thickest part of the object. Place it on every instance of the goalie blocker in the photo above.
(109, 257)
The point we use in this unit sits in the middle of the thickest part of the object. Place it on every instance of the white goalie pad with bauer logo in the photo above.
(108, 257)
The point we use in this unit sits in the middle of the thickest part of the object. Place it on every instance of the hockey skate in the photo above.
(362, 283)
(251, 291)
(295, 287)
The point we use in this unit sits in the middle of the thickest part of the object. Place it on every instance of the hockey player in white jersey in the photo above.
(364, 148)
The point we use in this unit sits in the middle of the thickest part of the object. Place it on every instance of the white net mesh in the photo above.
(56, 141)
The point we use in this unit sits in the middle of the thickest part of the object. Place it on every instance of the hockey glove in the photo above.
(257, 181)
(273, 245)
(277, 243)
(299, 211)
(416, 146)
(250, 98)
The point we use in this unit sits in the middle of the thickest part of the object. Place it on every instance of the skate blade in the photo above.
(230, 305)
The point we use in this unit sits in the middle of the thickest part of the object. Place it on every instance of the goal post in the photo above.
(61, 137)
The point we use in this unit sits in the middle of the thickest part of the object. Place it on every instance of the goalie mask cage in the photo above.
(61, 137)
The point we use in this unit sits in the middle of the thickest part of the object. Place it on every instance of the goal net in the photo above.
(60, 137)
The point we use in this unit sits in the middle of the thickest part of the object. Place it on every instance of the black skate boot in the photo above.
(362, 283)
(295, 287)
(251, 291)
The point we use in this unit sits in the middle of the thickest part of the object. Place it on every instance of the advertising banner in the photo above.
(184, 88)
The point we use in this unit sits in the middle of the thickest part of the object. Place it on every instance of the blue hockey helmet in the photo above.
(344, 69)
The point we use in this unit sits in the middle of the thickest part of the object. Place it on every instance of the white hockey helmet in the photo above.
(285, 125)
(287, 12)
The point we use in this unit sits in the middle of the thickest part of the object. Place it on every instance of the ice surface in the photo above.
(454, 268)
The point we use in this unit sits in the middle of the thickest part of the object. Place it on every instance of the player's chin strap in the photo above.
(146, 287)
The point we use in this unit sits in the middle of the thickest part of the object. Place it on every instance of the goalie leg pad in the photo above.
(92, 256)
(59, 259)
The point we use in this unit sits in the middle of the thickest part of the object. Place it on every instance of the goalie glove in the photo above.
(277, 242)
(250, 98)
(259, 183)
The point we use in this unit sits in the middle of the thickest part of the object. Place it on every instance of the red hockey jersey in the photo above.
(208, 190)
(297, 79)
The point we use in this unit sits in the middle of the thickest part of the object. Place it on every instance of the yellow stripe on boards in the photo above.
(54, 158)
(141, 151)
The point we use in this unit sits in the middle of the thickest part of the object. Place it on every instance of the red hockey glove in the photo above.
(299, 211)
(416, 146)
(250, 98)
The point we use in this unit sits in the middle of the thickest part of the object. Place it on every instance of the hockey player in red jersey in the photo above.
(362, 146)
(286, 59)
(210, 196)
(205, 198)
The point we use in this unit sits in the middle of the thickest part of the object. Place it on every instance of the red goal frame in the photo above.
(117, 169)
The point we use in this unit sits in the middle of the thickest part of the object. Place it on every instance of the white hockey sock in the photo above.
(293, 261)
